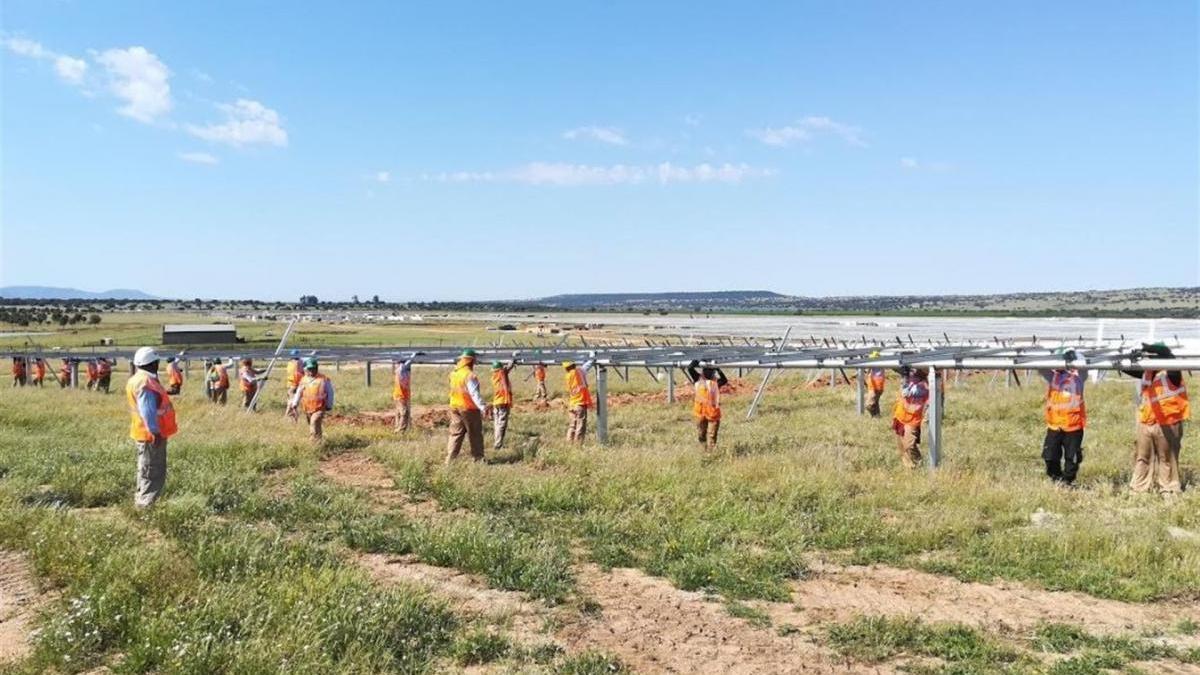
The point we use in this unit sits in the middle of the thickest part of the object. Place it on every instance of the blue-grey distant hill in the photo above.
(55, 293)
(705, 298)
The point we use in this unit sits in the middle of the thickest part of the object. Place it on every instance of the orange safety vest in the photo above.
(139, 381)
(460, 395)
(39, 370)
(501, 388)
(91, 370)
(876, 379)
(18, 369)
(1162, 403)
(246, 386)
(910, 410)
(577, 388)
(295, 373)
(64, 372)
(312, 393)
(222, 377)
(402, 384)
(1065, 410)
(174, 375)
(104, 368)
(539, 373)
(707, 403)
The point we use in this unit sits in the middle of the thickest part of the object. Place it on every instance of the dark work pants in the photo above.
(1063, 452)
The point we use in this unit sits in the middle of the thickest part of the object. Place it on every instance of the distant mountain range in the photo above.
(55, 293)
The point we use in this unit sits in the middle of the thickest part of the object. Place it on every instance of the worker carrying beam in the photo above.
(402, 391)
(706, 406)
(248, 379)
(295, 373)
(39, 372)
(314, 397)
(1066, 416)
(93, 374)
(174, 376)
(466, 409)
(1162, 408)
(502, 400)
(218, 382)
(876, 379)
(103, 374)
(908, 413)
(151, 423)
(64, 374)
(579, 397)
(539, 376)
(18, 371)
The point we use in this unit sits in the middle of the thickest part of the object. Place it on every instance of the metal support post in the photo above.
(832, 378)
(368, 373)
(767, 376)
(861, 394)
(670, 385)
(602, 405)
(74, 374)
(935, 418)
(1008, 377)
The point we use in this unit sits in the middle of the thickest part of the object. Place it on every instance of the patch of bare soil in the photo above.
(834, 594)
(19, 599)
(654, 627)
(644, 621)
(356, 470)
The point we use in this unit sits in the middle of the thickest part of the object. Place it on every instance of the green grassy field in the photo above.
(249, 562)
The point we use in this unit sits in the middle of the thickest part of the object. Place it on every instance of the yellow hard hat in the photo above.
(568, 364)
(875, 354)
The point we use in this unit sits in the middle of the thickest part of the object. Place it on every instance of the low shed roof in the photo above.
(199, 328)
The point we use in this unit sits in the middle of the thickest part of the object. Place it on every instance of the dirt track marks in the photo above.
(19, 599)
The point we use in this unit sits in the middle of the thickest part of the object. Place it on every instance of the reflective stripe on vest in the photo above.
(707, 403)
(910, 409)
(312, 393)
(1064, 407)
(1160, 402)
(577, 388)
(877, 379)
(501, 388)
(460, 394)
(165, 411)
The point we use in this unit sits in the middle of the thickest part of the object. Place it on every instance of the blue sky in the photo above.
(511, 150)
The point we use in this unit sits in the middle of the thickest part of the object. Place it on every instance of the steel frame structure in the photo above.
(1006, 356)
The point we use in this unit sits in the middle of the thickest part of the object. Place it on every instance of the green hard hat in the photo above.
(468, 353)
(310, 363)
(496, 365)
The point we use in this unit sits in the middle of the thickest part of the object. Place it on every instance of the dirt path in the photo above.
(19, 598)
(837, 593)
(645, 621)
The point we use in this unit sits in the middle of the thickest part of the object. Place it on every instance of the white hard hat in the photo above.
(144, 356)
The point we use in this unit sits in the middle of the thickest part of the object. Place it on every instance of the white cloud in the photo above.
(914, 164)
(383, 176)
(202, 76)
(806, 129)
(138, 77)
(198, 158)
(609, 135)
(692, 120)
(246, 123)
(70, 69)
(571, 175)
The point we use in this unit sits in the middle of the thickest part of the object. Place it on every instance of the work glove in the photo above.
(905, 371)
(695, 363)
(1135, 355)
(1070, 356)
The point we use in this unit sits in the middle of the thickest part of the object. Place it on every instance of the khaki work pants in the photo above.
(403, 414)
(706, 432)
(151, 472)
(247, 397)
(500, 415)
(316, 426)
(465, 424)
(18, 381)
(541, 394)
(220, 396)
(578, 424)
(873, 397)
(908, 441)
(1156, 458)
(104, 383)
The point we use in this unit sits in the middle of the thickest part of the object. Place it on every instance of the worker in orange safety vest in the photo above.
(1066, 416)
(402, 391)
(174, 376)
(502, 400)
(876, 378)
(706, 402)
(908, 413)
(314, 397)
(579, 397)
(1163, 407)
(218, 382)
(152, 422)
(466, 409)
